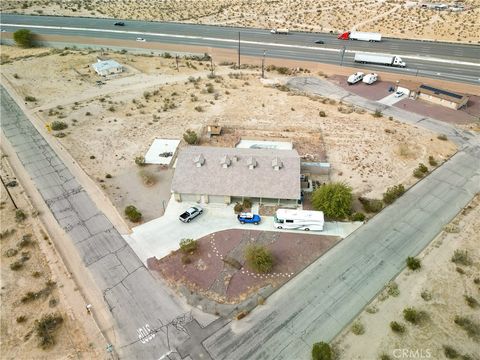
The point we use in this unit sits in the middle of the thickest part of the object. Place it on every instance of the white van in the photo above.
(355, 78)
(370, 78)
(298, 219)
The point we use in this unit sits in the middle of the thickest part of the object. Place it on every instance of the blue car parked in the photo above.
(249, 218)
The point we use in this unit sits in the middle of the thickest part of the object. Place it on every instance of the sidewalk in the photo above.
(161, 236)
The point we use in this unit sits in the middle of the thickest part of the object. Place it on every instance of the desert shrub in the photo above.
(30, 98)
(108, 176)
(393, 193)
(16, 76)
(322, 351)
(259, 258)
(358, 328)
(58, 125)
(188, 246)
(461, 257)
(432, 161)
(232, 262)
(147, 95)
(413, 316)
(190, 137)
(460, 270)
(476, 281)
(420, 171)
(17, 265)
(392, 289)
(358, 216)
(23, 38)
(472, 328)
(413, 263)
(133, 214)
(60, 134)
(148, 177)
(283, 70)
(322, 113)
(377, 114)
(247, 204)
(372, 309)
(471, 301)
(26, 241)
(21, 319)
(11, 252)
(186, 259)
(334, 199)
(450, 352)
(6, 233)
(385, 357)
(45, 329)
(442, 137)
(238, 208)
(397, 327)
(199, 109)
(20, 215)
(140, 161)
(426, 295)
(371, 205)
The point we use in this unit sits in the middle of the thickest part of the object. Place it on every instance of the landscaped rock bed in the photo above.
(216, 273)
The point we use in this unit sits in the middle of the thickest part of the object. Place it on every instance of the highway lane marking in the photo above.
(423, 58)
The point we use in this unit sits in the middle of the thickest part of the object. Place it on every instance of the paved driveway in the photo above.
(161, 236)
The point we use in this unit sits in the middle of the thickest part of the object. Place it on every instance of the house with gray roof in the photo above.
(226, 175)
(107, 67)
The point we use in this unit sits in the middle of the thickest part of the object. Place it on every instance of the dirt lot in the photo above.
(210, 276)
(396, 18)
(32, 289)
(439, 289)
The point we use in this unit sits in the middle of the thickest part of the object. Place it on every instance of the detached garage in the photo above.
(225, 175)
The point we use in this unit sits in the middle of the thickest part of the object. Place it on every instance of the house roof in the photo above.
(443, 94)
(105, 65)
(248, 172)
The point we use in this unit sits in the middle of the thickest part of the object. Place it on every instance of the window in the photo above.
(289, 221)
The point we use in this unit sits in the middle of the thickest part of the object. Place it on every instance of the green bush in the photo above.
(45, 329)
(334, 199)
(322, 351)
(20, 215)
(432, 161)
(393, 193)
(413, 263)
(259, 258)
(397, 327)
(472, 328)
(420, 171)
(358, 216)
(371, 205)
(413, 316)
(358, 328)
(58, 125)
(30, 98)
(133, 214)
(471, 301)
(461, 257)
(23, 38)
(140, 161)
(190, 137)
(188, 246)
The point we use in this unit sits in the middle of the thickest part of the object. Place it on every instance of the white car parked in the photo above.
(399, 94)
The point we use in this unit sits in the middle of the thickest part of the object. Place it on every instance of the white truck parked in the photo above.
(370, 78)
(279, 31)
(355, 78)
(389, 60)
(298, 219)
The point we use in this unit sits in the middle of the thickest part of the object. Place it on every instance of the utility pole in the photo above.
(211, 65)
(176, 60)
(239, 49)
(263, 65)
(343, 54)
(8, 192)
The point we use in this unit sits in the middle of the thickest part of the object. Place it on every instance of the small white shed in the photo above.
(107, 67)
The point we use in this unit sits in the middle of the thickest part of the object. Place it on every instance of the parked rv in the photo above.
(298, 219)
(355, 78)
(361, 36)
(389, 60)
(279, 31)
(370, 78)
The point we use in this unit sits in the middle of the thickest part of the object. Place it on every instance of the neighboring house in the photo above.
(442, 97)
(107, 67)
(226, 175)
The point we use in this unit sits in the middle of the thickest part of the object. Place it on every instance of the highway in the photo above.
(448, 61)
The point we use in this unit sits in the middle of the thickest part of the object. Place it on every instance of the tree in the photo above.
(334, 199)
(321, 351)
(259, 258)
(190, 137)
(23, 38)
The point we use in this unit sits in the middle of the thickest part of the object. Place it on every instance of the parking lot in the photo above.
(157, 238)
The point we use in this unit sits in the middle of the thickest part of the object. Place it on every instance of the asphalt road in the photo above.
(138, 303)
(323, 299)
(457, 62)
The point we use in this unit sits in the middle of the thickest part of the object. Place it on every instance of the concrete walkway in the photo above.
(161, 236)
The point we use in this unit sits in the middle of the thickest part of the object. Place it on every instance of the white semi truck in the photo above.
(389, 60)
(279, 31)
(361, 36)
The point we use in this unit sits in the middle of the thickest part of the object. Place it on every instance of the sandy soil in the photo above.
(397, 18)
(40, 265)
(438, 288)
(110, 125)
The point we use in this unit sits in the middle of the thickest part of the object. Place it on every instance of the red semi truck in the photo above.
(362, 36)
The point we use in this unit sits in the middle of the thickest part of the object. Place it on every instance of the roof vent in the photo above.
(277, 164)
(199, 160)
(251, 162)
(235, 158)
(225, 161)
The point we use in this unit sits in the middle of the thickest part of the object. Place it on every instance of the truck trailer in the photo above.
(389, 60)
(279, 31)
(361, 36)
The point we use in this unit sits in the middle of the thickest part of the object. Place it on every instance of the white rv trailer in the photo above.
(299, 219)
